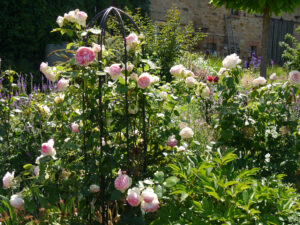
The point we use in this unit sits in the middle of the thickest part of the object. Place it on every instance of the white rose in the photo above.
(273, 77)
(190, 81)
(259, 81)
(81, 18)
(60, 21)
(205, 92)
(97, 48)
(16, 201)
(177, 70)
(186, 133)
(231, 61)
(44, 109)
(294, 76)
(8, 179)
(163, 95)
(94, 188)
(154, 79)
(59, 99)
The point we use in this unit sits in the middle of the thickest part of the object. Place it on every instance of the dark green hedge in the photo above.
(25, 27)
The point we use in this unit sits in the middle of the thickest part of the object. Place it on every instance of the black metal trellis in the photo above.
(103, 15)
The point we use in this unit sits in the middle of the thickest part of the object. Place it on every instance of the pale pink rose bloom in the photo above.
(60, 21)
(16, 201)
(8, 180)
(97, 48)
(144, 80)
(43, 67)
(188, 73)
(259, 81)
(84, 56)
(123, 182)
(75, 127)
(163, 95)
(150, 207)
(294, 76)
(81, 18)
(148, 195)
(190, 81)
(62, 84)
(48, 149)
(171, 141)
(114, 71)
(132, 40)
(133, 197)
(36, 171)
(177, 70)
(129, 67)
(71, 16)
(186, 133)
(94, 188)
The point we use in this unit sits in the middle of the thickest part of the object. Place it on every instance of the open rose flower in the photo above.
(81, 18)
(75, 127)
(186, 133)
(62, 84)
(259, 81)
(84, 56)
(8, 180)
(94, 188)
(144, 80)
(294, 77)
(231, 61)
(129, 67)
(48, 149)
(16, 201)
(190, 81)
(133, 196)
(60, 21)
(60, 98)
(71, 16)
(177, 71)
(114, 71)
(123, 182)
(148, 195)
(97, 48)
(171, 141)
(132, 40)
(48, 71)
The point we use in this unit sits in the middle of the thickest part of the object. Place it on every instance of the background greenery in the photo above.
(25, 27)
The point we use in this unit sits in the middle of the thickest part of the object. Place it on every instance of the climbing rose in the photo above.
(16, 201)
(171, 141)
(186, 133)
(123, 182)
(133, 196)
(259, 81)
(134, 76)
(144, 80)
(163, 95)
(94, 188)
(231, 61)
(60, 21)
(132, 40)
(75, 127)
(71, 16)
(148, 195)
(129, 67)
(48, 148)
(62, 84)
(59, 99)
(294, 76)
(150, 207)
(190, 81)
(177, 70)
(48, 71)
(154, 79)
(8, 180)
(84, 56)
(81, 18)
(114, 71)
(97, 48)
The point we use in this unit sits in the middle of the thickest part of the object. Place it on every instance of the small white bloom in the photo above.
(231, 61)
(94, 188)
(273, 77)
(259, 81)
(8, 180)
(267, 157)
(60, 21)
(16, 201)
(190, 81)
(59, 99)
(186, 133)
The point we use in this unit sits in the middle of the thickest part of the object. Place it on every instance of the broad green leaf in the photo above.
(171, 181)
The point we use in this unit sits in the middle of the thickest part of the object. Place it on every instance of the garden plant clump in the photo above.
(138, 140)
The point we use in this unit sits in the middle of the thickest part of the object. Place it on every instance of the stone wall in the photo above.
(246, 27)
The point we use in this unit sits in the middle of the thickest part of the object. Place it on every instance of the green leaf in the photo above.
(116, 195)
(27, 166)
(171, 181)
(184, 195)
(159, 176)
(213, 194)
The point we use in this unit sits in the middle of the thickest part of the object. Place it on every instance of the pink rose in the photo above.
(144, 80)
(134, 76)
(16, 201)
(8, 180)
(62, 84)
(114, 71)
(84, 56)
(294, 76)
(148, 195)
(75, 127)
(171, 141)
(132, 40)
(150, 207)
(47, 148)
(123, 182)
(133, 197)
(81, 18)
(177, 70)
